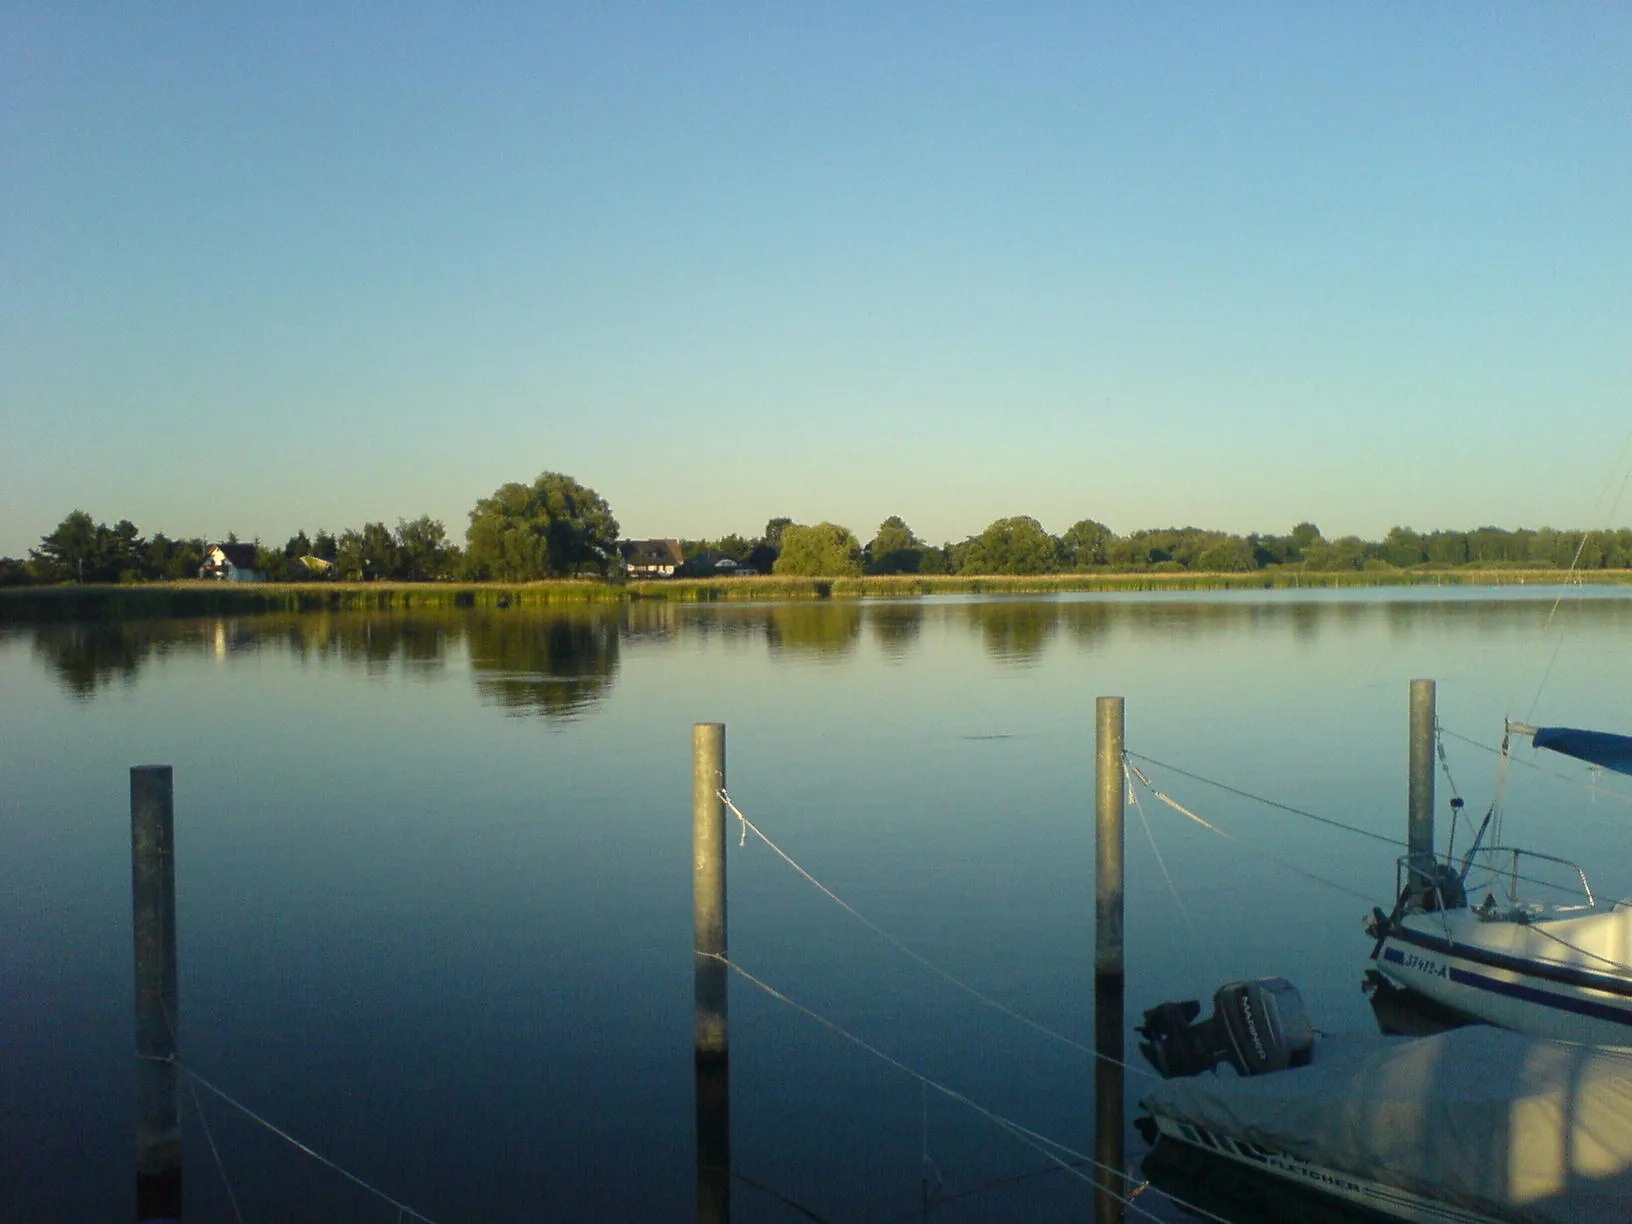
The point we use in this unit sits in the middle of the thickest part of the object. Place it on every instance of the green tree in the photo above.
(1087, 544)
(172, 560)
(733, 546)
(348, 556)
(1403, 547)
(773, 532)
(1226, 555)
(1017, 545)
(123, 550)
(367, 555)
(895, 550)
(1447, 548)
(275, 564)
(826, 550)
(379, 551)
(67, 550)
(1306, 535)
(422, 550)
(552, 528)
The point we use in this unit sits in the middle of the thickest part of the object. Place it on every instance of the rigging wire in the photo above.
(220, 1168)
(403, 1210)
(945, 975)
(209, 1137)
(1245, 845)
(1184, 914)
(1283, 807)
(1593, 787)
(1051, 1149)
(1622, 467)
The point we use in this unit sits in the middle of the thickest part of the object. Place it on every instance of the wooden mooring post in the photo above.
(1420, 785)
(153, 894)
(711, 1042)
(1109, 964)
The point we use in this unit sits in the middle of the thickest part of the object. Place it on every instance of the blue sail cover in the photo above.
(1599, 747)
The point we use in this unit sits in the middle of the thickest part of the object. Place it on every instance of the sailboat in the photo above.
(1515, 937)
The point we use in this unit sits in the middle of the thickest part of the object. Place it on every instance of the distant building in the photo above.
(231, 563)
(712, 563)
(651, 558)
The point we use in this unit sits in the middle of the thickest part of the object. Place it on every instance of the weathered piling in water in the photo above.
(709, 972)
(153, 894)
(1420, 784)
(1109, 965)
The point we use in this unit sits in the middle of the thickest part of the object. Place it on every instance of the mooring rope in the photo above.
(1035, 1140)
(198, 1107)
(1283, 807)
(1172, 888)
(404, 1211)
(1245, 845)
(209, 1137)
(953, 979)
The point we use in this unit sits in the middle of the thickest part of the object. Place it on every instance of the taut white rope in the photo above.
(1173, 891)
(403, 1209)
(1248, 846)
(1038, 1142)
(867, 922)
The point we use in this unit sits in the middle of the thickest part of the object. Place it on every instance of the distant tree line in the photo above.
(1020, 545)
(556, 527)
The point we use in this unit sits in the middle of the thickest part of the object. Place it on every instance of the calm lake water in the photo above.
(433, 877)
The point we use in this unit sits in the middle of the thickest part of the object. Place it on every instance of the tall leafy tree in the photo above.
(1306, 535)
(1017, 545)
(551, 528)
(1403, 547)
(733, 546)
(70, 548)
(773, 532)
(825, 550)
(762, 556)
(422, 550)
(1086, 544)
(124, 551)
(895, 550)
(348, 555)
(1226, 555)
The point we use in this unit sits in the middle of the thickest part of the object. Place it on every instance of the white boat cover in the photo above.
(1516, 1127)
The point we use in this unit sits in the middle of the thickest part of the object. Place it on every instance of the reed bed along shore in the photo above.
(207, 598)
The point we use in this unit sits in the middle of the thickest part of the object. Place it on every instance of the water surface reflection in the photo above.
(560, 663)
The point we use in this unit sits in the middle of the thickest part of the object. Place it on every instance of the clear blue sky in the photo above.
(282, 266)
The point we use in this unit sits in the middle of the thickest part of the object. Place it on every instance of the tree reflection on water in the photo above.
(553, 666)
(559, 663)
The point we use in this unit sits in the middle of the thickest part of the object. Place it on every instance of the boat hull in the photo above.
(1374, 1196)
(1546, 979)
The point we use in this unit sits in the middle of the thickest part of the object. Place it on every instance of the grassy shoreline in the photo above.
(202, 598)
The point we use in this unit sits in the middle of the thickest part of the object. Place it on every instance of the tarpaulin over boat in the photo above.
(1511, 1126)
(1599, 747)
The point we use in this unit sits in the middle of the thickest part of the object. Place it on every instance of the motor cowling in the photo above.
(1256, 1027)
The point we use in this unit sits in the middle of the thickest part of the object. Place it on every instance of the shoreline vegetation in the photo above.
(203, 597)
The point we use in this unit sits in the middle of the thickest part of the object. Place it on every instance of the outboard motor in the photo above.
(1256, 1026)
